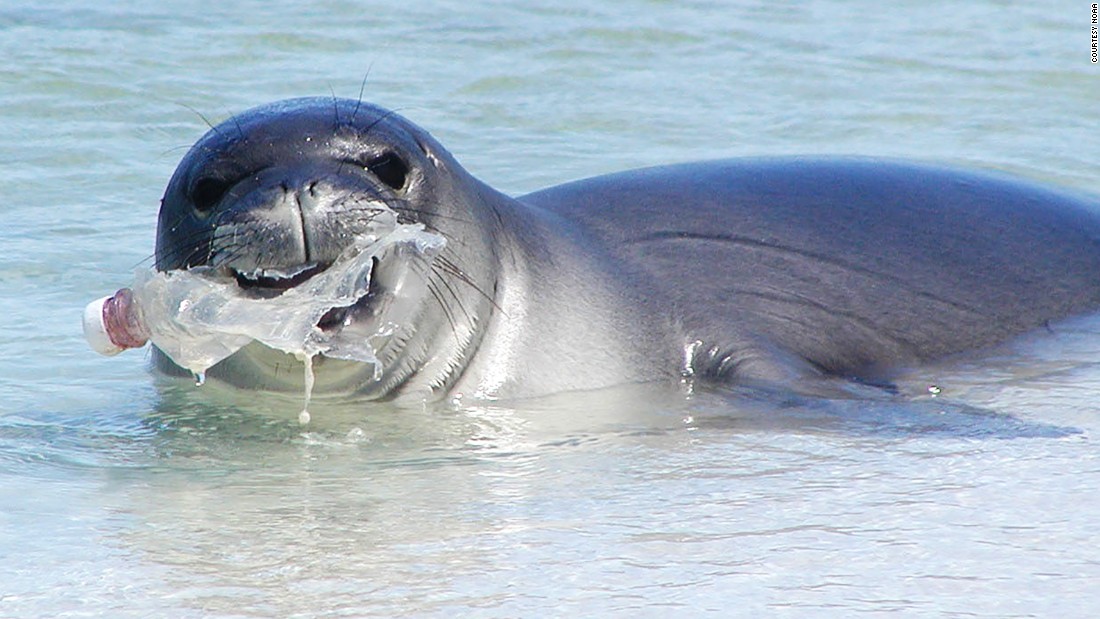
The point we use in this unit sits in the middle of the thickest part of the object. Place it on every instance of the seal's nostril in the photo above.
(207, 192)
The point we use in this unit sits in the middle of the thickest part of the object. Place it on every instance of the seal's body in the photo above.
(770, 271)
(850, 266)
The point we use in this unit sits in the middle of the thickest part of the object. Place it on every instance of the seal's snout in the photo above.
(278, 230)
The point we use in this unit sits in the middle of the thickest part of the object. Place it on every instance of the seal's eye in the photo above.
(207, 192)
(389, 169)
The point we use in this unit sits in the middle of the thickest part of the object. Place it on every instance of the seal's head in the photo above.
(274, 195)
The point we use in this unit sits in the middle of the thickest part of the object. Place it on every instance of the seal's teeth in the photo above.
(277, 278)
(333, 318)
(338, 317)
(279, 272)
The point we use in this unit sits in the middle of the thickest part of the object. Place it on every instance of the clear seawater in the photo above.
(122, 496)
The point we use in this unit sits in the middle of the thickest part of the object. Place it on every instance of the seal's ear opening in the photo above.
(390, 170)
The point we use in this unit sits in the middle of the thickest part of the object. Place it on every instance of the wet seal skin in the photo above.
(786, 272)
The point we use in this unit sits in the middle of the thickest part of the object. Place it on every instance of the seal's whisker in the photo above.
(224, 256)
(181, 253)
(200, 115)
(191, 245)
(447, 312)
(391, 202)
(450, 268)
(240, 129)
(335, 106)
(175, 149)
(205, 234)
(362, 89)
(454, 295)
(378, 121)
(175, 222)
(433, 215)
(358, 210)
(151, 258)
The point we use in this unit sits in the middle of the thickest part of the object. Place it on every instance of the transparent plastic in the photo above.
(201, 316)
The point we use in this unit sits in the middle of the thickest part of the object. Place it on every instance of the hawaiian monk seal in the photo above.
(773, 271)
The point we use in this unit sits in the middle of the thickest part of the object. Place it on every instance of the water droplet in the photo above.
(304, 417)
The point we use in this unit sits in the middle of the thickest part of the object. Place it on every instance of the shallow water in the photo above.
(121, 495)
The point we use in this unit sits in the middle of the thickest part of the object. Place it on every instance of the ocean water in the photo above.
(121, 495)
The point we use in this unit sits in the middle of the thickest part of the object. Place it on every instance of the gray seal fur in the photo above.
(772, 271)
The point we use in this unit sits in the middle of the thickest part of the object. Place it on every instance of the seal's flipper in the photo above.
(771, 368)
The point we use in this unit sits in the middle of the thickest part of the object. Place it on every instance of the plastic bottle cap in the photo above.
(95, 331)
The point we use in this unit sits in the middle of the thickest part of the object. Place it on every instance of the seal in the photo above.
(772, 271)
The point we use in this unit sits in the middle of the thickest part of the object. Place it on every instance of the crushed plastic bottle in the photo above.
(201, 316)
(113, 324)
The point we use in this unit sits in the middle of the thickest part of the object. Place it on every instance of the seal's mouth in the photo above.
(267, 283)
(339, 317)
